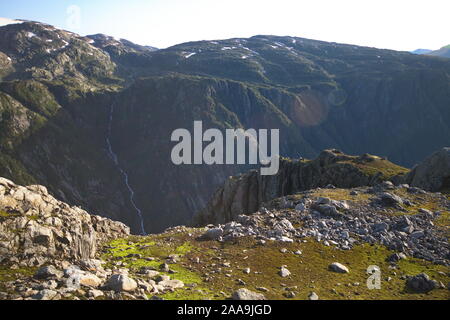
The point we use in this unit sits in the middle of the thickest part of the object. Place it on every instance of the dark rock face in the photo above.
(244, 194)
(433, 173)
(36, 228)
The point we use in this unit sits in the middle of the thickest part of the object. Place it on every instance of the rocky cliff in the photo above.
(246, 193)
(36, 228)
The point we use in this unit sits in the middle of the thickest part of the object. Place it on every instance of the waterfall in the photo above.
(115, 159)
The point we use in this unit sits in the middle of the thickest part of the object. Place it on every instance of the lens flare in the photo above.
(309, 109)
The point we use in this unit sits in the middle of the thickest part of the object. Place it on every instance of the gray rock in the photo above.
(121, 282)
(164, 267)
(284, 272)
(48, 272)
(380, 227)
(417, 234)
(285, 225)
(245, 294)
(396, 257)
(387, 185)
(90, 280)
(94, 293)
(338, 267)
(313, 296)
(171, 284)
(328, 210)
(151, 273)
(290, 294)
(212, 234)
(421, 283)
(45, 294)
(390, 199)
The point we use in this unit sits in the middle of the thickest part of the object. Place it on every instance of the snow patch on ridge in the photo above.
(190, 55)
(65, 44)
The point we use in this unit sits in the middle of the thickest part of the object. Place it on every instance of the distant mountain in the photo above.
(91, 117)
(421, 51)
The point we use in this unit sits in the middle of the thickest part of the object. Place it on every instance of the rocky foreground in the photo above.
(315, 244)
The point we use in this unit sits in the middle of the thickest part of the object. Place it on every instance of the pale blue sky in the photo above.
(393, 24)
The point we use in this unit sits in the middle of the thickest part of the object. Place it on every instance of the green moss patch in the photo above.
(373, 165)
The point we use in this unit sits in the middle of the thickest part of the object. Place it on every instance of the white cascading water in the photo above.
(115, 159)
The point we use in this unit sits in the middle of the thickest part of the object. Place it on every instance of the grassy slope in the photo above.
(309, 270)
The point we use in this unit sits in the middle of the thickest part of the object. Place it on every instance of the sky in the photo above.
(389, 24)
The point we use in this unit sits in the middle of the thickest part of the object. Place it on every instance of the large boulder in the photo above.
(433, 173)
(121, 282)
(389, 199)
(421, 283)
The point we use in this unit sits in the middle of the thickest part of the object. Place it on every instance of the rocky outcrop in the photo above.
(244, 194)
(364, 218)
(36, 228)
(433, 173)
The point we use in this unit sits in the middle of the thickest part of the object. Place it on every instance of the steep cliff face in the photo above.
(246, 193)
(54, 105)
(145, 117)
(36, 228)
